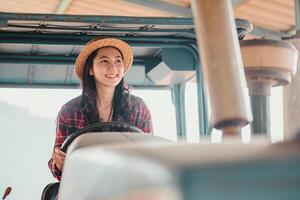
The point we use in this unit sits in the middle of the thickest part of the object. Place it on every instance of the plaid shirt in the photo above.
(72, 117)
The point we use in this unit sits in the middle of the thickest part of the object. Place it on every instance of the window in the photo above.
(159, 101)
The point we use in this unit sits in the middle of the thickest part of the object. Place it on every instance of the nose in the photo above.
(112, 66)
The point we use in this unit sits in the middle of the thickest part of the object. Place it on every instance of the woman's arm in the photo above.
(56, 161)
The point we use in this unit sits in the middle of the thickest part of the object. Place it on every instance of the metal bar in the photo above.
(74, 39)
(201, 95)
(4, 17)
(261, 115)
(105, 30)
(62, 6)
(268, 34)
(178, 98)
(164, 7)
(146, 43)
(223, 70)
(46, 60)
(243, 26)
(202, 107)
(37, 59)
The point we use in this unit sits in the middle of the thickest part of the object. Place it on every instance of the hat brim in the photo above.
(90, 47)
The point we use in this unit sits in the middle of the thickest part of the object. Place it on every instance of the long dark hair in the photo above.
(121, 99)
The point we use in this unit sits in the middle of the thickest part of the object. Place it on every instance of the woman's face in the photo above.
(108, 67)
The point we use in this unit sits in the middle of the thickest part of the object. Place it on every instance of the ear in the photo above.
(91, 71)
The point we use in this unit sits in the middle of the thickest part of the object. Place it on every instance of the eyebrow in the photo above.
(107, 57)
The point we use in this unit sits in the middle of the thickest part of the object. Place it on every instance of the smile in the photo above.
(111, 76)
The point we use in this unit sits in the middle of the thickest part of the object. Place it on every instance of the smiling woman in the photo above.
(100, 66)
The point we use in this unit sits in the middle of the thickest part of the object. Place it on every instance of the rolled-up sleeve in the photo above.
(61, 135)
(143, 118)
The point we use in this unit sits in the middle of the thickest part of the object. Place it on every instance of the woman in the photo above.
(100, 66)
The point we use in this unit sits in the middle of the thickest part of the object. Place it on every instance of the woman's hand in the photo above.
(59, 158)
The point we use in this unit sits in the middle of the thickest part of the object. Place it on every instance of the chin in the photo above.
(114, 84)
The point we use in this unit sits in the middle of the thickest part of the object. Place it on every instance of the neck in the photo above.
(105, 96)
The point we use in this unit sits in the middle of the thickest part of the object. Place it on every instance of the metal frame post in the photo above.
(178, 97)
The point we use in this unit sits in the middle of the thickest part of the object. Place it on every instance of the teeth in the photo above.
(111, 76)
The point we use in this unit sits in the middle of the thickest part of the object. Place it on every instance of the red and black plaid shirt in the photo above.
(72, 117)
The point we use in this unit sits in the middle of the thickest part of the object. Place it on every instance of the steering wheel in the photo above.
(100, 127)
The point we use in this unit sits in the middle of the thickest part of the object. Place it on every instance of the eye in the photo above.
(119, 60)
(104, 61)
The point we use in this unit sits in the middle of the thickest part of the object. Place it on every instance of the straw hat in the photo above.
(97, 43)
